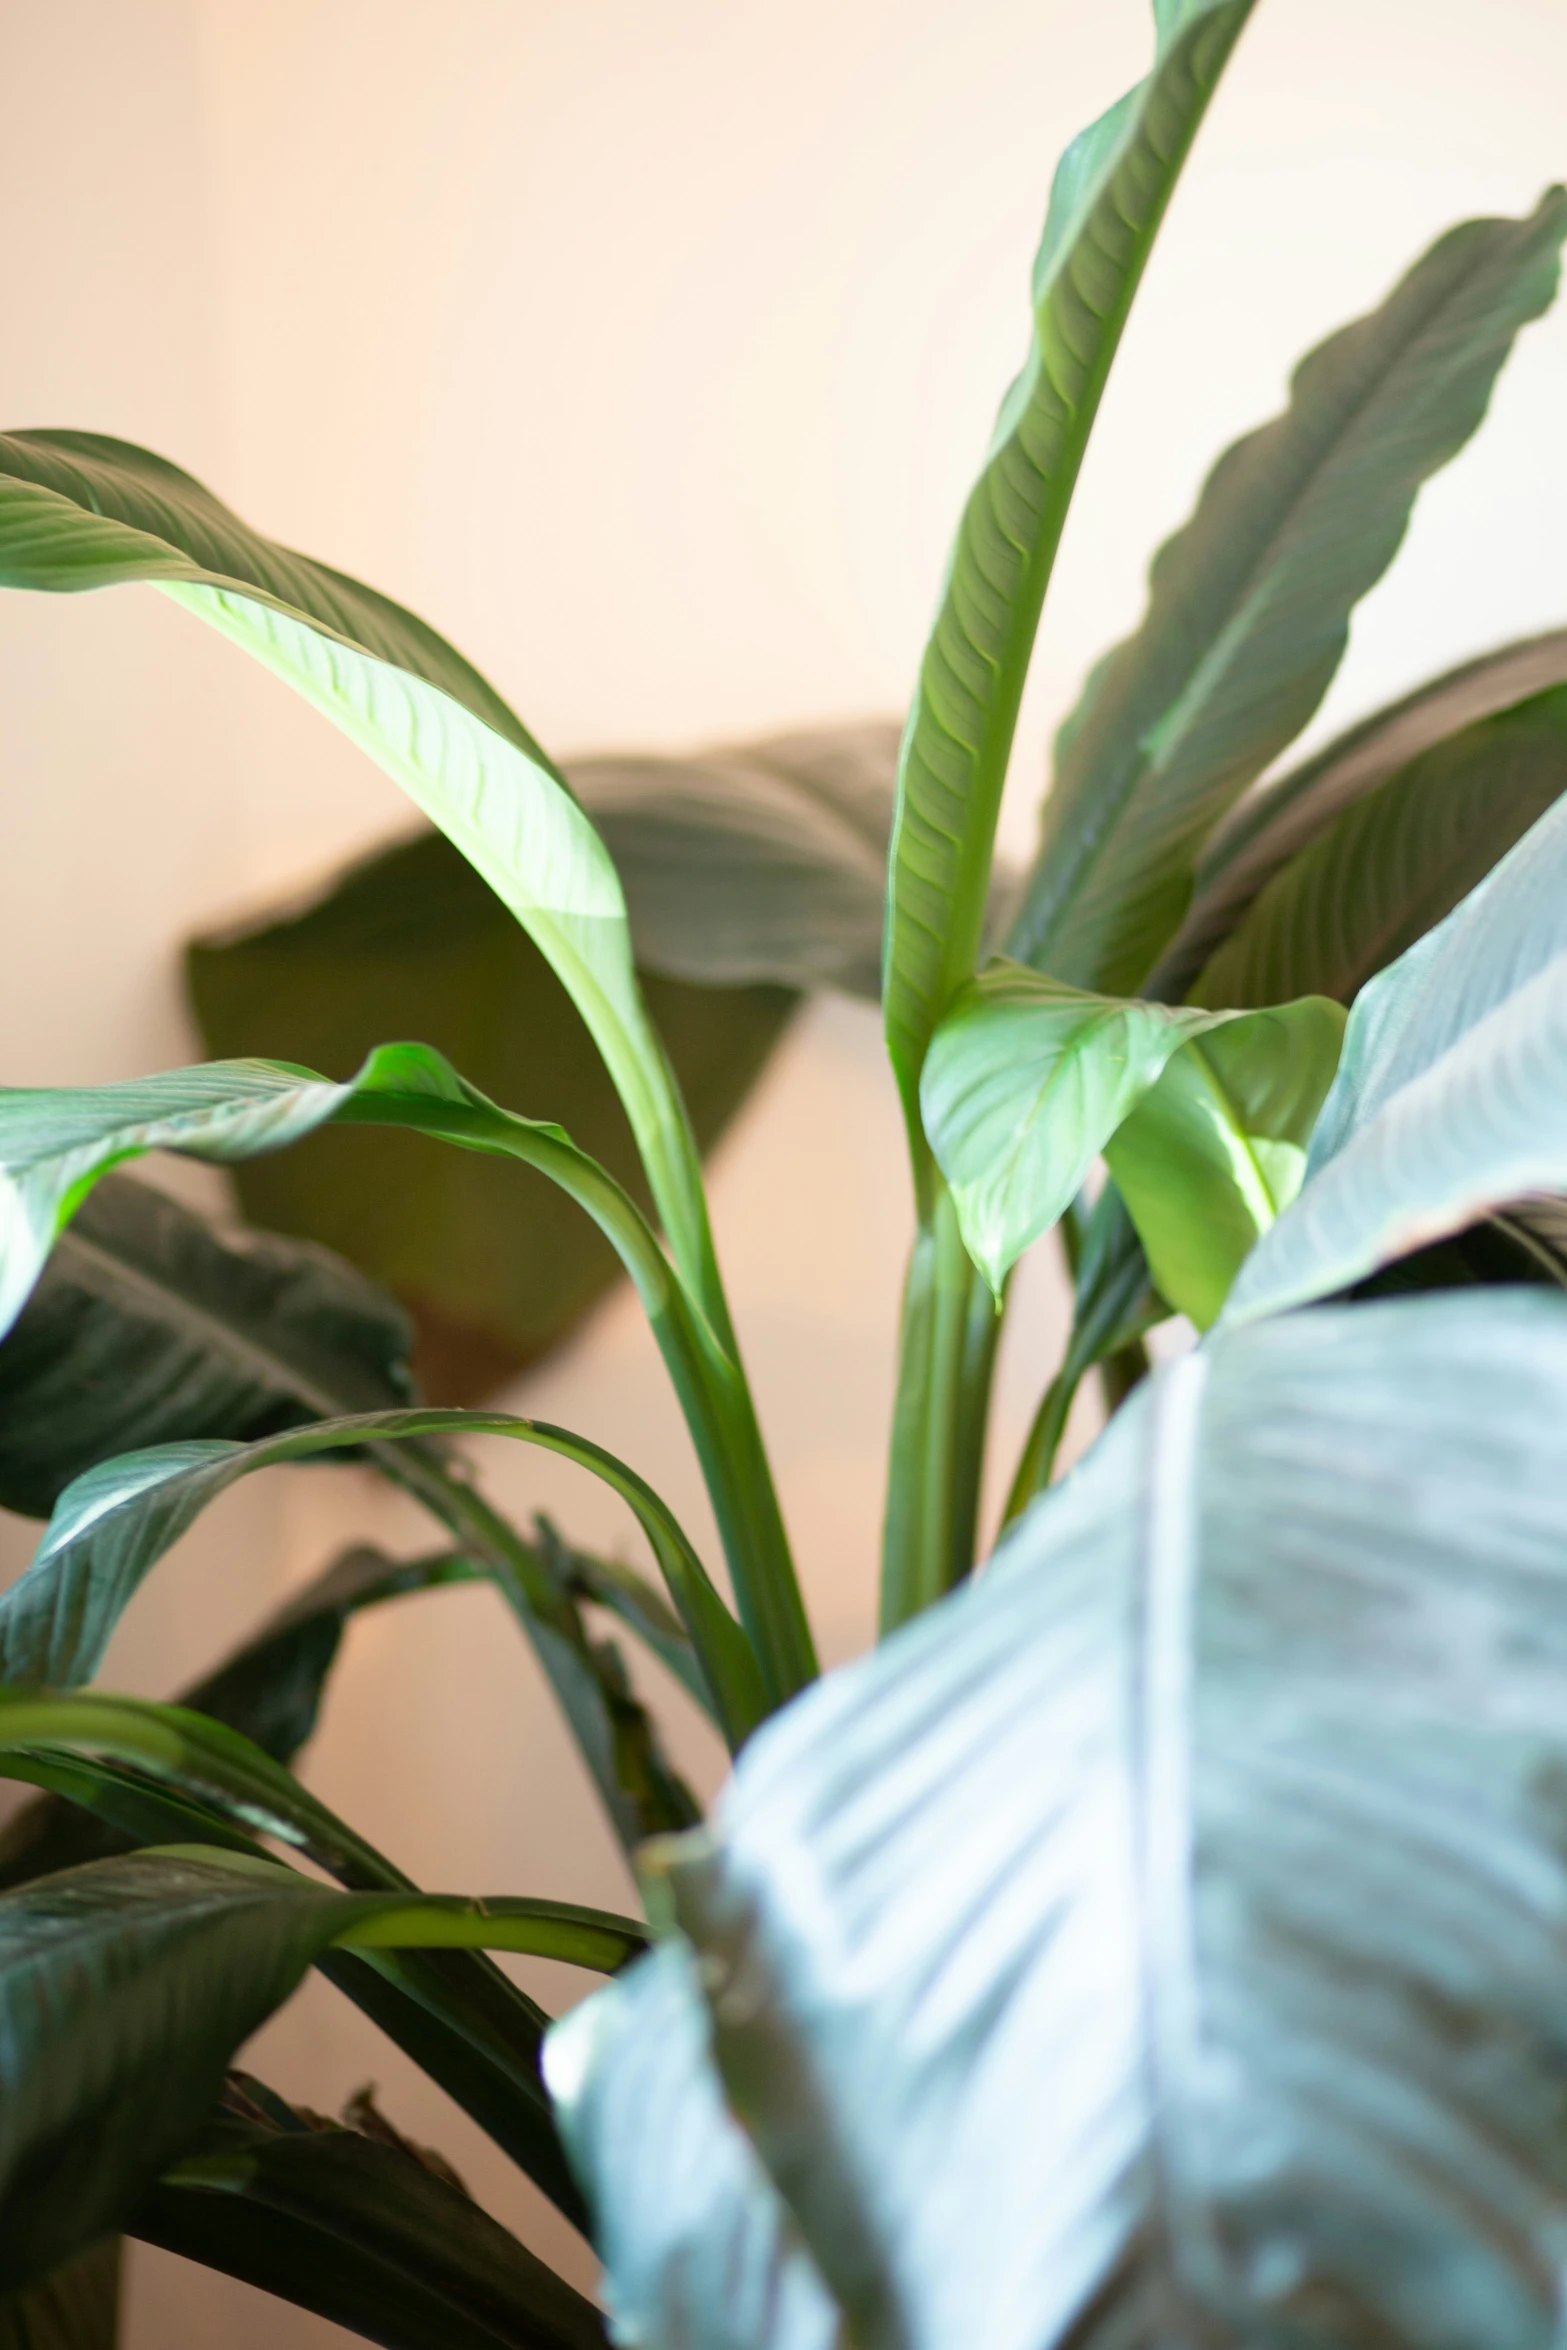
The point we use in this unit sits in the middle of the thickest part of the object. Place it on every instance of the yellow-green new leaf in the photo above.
(1027, 1083)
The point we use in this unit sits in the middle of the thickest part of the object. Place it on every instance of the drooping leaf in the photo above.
(149, 1325)
(628, 1596)
(1451, 1096)
(76, 2308)
(1249, 604)
(699, 2250)
(1110, 193)
(1217, 1148)
(358, 2229)
(113, 1525)
(125, 1987)
(1164, 1939)
(78, 510)
(1275, 822)
(493, 1262)
(1028, 1081)
(1394, 863)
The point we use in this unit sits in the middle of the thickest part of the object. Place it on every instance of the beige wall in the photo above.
(648, 351)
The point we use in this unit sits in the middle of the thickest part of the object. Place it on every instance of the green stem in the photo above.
(946, 1356)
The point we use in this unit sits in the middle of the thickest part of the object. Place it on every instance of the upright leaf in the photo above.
(1164, 1939)
(1274, 823)
(1249, 604)
(1109, 197)
(1451, 1097)
(149, 1325)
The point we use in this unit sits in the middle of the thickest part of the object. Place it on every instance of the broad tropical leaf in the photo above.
(1394, 863)
(113, 1525)
(1274, 823)
(1027, 1082)
(148, 1325)
(493, 1262)
(1167, 1937)
(1110, 193)
(81, 511)
(1451, 1097)
(1249, 604)
(125, 1987)
(698, 2248)
(361, 2230)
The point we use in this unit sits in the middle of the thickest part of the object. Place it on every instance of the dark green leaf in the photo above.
(1166, 1938)
(125, 1986)
(360, 2230)
(1451, 1097)
(1276, 821)
(77, 2308)
(1249, 604)
(1110, 193)
(755, 862)
(1394, 863)
(147, 1325)
(494, 1262)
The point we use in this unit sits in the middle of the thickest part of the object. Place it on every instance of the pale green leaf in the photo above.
(1166, 1937)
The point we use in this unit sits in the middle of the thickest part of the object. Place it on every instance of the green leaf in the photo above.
(126, 1985)
(1166, 1938)
(1217, 1148)
(1249, 605)
(1028, 1081)
(699, 2250)
(81, 511)
(1392, 865)
(1110, 192)
(147, 1325)
(756, 862)
(1276, 821)
(77, 2308)
(1451, 1097)
(494, 1263)
(358, 2229)
(113, 1525)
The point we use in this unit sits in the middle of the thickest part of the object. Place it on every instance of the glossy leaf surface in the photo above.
(360, 2230)
(1451, 1097)
(1028, 1081)
(149, 1325)
(1249, 604)
(1272, 825)
(1164, 1939)
(126, 1985)
(494, 1263)
(1109, 196)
